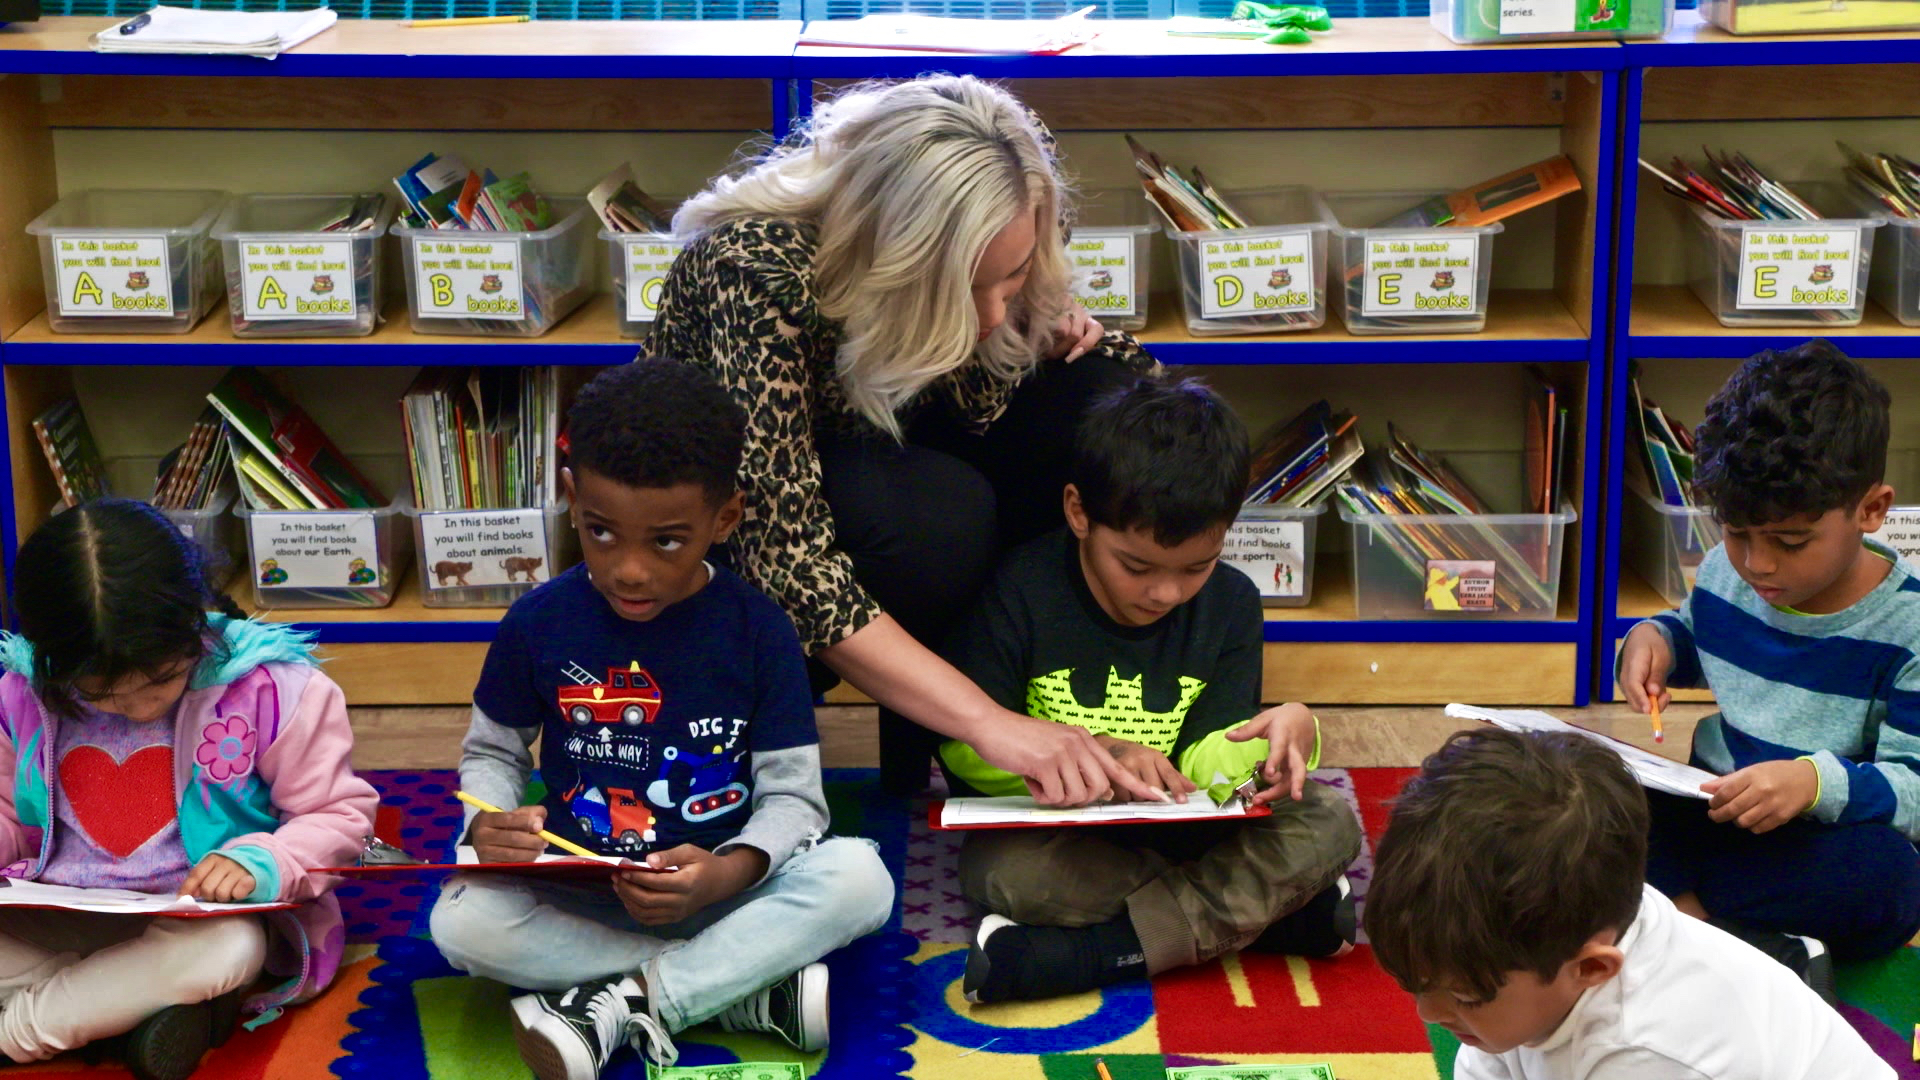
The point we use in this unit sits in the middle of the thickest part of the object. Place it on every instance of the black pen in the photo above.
(136, 23)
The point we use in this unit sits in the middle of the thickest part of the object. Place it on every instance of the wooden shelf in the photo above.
(1331, 616)
(1668, 321)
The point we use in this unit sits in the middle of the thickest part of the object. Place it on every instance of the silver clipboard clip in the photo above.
(1247, 789)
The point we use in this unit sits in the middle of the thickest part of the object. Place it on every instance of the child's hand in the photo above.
(510, 837)
(218, 880)
(1288, 730)
(1761, 798)
(702, 880)
(1645, 660)
(1149, 766)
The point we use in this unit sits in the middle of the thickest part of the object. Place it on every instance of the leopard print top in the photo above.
(740, 302)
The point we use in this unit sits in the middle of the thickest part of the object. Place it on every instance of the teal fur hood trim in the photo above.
(248, 644)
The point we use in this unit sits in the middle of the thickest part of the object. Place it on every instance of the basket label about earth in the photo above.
(1271, 553)
(113, 275)
(314, 551)
(297, 279)
(1421, 274)
(462, 548)
(1798, 265)
(468, 279)
(1102, 265)
(1257, 275)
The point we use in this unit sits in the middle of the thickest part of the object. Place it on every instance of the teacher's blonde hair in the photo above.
(907, 183)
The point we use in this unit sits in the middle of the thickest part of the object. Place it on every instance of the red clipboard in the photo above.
(936, 806)
(556, 869)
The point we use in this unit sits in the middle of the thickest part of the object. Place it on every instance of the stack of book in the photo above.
(1298, 461)
(1734, 188)
(1660, 460)
(197, 474)
(71, 452)
(624, 208)
(283, 460)
(443, 193)
(483, 438)
(1889, 180)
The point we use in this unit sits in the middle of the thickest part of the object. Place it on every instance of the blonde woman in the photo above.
(886, 295)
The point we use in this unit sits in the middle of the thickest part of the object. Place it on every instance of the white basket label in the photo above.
(1102, 265)
(461, 548)
(1798, 265)
(1421, 274)
(298, 279)
(468, 279)
(113, 275)
(1272, 553)
(1257, 275)
(296, 550)
(648, 260)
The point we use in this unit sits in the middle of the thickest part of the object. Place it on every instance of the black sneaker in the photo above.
(169, 1044)
(1325, 926)
(1804, 956)
(1012, 962)
(795, 1008)
(571, 1034)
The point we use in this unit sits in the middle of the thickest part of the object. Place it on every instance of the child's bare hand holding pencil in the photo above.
(513, 836)
(1645, 660)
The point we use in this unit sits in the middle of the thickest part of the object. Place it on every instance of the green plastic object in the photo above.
(1290, 23)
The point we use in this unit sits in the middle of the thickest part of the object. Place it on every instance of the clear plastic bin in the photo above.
(1402, 280)
(1894, 282)
(463, 563)
(129, 262)
(639, 262)
(1665, 544)
(213, 530)
(505, 284)
(1457, 566)
(1110, 256)
(287, 279)
(1733, 269)
(1741, 17)
(1259, 280)
(372, 549)
(1481, 22)
(1273, 545)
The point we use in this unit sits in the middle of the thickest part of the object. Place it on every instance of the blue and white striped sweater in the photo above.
(1840, 689)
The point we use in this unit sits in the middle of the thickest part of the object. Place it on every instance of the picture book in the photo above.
(197, 472)
(624, 207)
(1494, 200)
(483, 438)
(1733, 187)
(71, 453)
(288, 439)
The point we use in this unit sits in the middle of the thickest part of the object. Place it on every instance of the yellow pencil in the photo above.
(1659, 733)
(474, 20)
(1100, 1066)
(557, 841)
(1916, 1042)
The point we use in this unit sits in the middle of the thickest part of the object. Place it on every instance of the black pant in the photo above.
(925, 523)
(1855, 887)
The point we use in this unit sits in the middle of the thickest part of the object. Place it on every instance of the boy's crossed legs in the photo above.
(578, 943)
(1178, 894)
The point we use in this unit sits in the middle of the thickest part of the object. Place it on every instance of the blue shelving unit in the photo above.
(1667, 323)
(1134, 50)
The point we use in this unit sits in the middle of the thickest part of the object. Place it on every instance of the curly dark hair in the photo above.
(658, 423)
(1797, 432)
(111, 589)
(1161, 454)
(1507, 853)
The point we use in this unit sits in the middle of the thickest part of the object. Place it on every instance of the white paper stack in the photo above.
(233, 33)
(1652, 770)
(929, 33)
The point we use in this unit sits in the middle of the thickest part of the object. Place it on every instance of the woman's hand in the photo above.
(1061, 763)
(1075, 334)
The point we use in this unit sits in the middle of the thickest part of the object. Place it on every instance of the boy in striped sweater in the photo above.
(1808, 633)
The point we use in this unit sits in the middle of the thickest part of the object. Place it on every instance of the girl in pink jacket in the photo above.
(149, 745)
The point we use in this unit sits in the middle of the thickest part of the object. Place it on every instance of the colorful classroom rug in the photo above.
(398, 1012)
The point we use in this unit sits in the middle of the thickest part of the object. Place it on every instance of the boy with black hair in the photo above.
(1123, 625)
(1509, 897)
(676, 729)
(1808, 632)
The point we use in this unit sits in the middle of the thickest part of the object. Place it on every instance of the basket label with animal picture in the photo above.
(470, 549)
(109, 275)
(314, 550)
(1421, 274)
(305, 280)
(1799, 264)
(468, 279)
(1103, 272)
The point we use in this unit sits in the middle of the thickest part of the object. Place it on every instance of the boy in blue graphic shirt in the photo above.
(1808, 633)
(676, 728)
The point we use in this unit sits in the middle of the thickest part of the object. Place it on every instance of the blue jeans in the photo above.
(551, 935)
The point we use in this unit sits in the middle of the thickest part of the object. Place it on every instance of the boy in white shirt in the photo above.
(1510, 898)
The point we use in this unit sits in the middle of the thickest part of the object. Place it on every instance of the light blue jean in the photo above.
(551, 936)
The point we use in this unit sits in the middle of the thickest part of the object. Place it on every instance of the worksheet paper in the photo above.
(35, 894)
(1021, 810)
(1653, 771)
